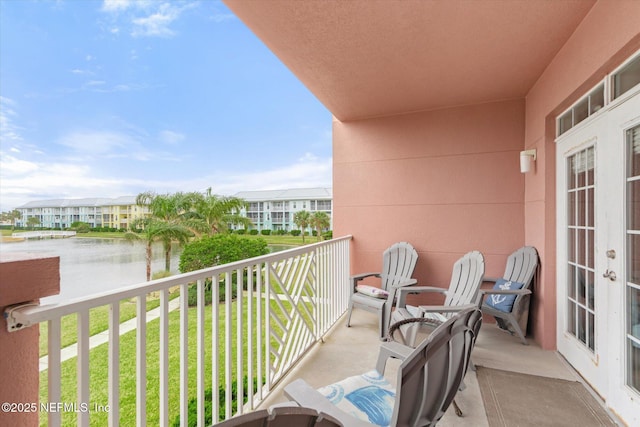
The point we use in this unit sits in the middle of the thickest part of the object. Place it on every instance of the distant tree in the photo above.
(32, 221)
(302, 220)
(12, 216)
(217, 212)
(168, 222)
(80, 227)
(320, 221)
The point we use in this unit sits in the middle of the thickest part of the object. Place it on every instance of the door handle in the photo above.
(610, 274)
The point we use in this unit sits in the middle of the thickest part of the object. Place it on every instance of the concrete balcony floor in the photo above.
(351, 351)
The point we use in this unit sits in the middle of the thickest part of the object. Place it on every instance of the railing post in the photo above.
(23, 278)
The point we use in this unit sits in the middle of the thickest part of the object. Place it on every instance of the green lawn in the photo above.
(98, 321)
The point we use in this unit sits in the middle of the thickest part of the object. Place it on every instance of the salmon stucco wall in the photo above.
(447, 181)
(24, 278)
(608, 35)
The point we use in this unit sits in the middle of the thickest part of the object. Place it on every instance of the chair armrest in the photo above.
(443, 308)
(402, 296)
(308, 397)
(361, 276)
(404, 283)
(391, 349)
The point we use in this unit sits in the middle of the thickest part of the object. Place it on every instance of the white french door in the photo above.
(598, 254)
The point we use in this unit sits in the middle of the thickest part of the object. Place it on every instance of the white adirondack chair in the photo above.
(466, 279)
(426, 383)
(521, 268)
(398, 263)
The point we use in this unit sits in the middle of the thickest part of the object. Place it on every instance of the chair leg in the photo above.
(349, 317)
(516, 328)
(457, 408)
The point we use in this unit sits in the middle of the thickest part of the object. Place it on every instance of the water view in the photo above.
(89, 266)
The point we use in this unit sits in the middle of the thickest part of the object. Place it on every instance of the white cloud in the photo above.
(170, 137)
(116, 5)
(96, 142)
(310, 171)
(146, 18)
(156, 24)
(24, 181)
(9, 131)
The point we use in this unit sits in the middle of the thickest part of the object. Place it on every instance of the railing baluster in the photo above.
(184, 354)
(250, 349)
(259, 326)
(227, 344)
(267, 326)
(215, 350)
(53, 369)
(164, 358)
(83, 365)
(200, 350)
(114, 364)
(141, 361)
(239, 341)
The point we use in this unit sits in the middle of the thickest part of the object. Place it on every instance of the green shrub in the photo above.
(219, 249)
(265, 232)
(253, 231)
(295, 232)
(192, 295)
(208, 400)
(327, 235)
(241, 231)
(80, 227)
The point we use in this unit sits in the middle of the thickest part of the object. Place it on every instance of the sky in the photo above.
(113, 98)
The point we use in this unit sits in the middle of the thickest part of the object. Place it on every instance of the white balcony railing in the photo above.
(274, 308)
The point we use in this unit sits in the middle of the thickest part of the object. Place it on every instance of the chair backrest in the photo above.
(398, 263)
(430, 376)
(521, 267)
(466, 279)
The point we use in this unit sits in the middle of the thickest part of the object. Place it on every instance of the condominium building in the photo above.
(116, 213)
(274, 209)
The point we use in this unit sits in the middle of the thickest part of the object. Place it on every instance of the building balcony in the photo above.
(280, 317)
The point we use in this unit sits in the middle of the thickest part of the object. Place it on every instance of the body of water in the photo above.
(89, 266)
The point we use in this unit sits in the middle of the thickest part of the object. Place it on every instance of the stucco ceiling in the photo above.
(369, 58)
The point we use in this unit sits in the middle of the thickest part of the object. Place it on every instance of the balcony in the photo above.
(284, 310)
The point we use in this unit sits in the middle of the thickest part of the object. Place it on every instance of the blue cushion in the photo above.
(503, 302)
(368, 397)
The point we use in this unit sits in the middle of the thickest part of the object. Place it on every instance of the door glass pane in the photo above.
(633, 337)
(581, 246)
(590, 288)
(633, 259)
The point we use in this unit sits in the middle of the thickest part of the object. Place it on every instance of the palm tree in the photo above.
(12, 216)
(217, 212)
(320, 220)
(168, 222)
(302, 220)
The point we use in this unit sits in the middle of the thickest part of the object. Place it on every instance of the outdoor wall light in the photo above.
(526, 158)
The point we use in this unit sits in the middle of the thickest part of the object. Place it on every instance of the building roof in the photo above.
(319, 193)
(89, 201)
